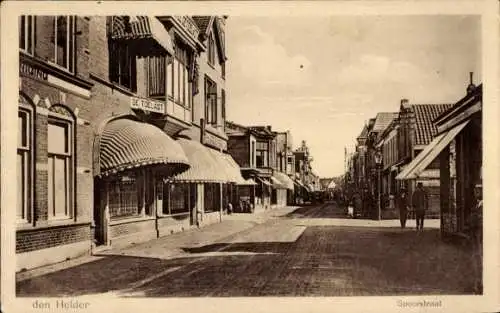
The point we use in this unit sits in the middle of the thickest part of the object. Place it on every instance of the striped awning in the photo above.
(204, 166)
(126, 143)
(248, 182)
(234, 170)
(263, 181)
(285, 181)
(141, 27)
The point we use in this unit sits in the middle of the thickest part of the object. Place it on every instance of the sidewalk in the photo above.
(172, 246)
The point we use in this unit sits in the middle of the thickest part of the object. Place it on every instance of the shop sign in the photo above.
(31, 71)
(214, 141)
(147, 105)
(188, 24)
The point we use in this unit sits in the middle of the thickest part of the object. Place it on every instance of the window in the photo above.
(122, 67)
(179, 198)
(211, 50)
(27, 34)
(179, 88)
(223, 69)
(62, 30)
(223, 104)
(60, 169)
(252, 154)
(262, 154)
(212, 197)
(157, 76)
(210, 102)
(24, 167)
(124, 196)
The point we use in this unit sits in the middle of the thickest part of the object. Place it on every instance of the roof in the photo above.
(202, 22)
(261, 131)
(364, 132)
(459, 106)
(425, 130)
(382, 120)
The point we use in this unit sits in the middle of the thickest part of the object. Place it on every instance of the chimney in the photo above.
(268, 127)
(471, 86)
(404, 102)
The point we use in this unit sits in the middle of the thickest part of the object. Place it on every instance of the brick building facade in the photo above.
(109, 109)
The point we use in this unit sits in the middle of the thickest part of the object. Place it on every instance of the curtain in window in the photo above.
(179, 198)
(157, 76)
(212, 197)
(123, 197)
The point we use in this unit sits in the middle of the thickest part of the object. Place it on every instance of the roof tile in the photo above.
(425, 130)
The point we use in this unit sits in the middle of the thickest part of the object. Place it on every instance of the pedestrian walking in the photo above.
(229, 208)
(419, 201)
(402, 203)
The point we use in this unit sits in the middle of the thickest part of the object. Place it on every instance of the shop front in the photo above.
(458, 145)
(131, 158)
(282, 184)
(207, 181)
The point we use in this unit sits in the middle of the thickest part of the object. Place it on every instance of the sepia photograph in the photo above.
(248, 156)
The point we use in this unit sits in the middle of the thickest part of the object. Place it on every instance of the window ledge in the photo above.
(50, 224)
(126, 220)
(112, 85)
(54, 70)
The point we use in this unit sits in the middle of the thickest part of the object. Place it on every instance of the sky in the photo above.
(323, 77)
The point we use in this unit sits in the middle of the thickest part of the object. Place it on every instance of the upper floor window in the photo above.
(27, 34)
(180, 87)
(62, 51)
(223, 104)
(211, 50)
(122, 65)
(60, 168)
(157, 76)
(24, 166)
(210, 101)
(261, 154)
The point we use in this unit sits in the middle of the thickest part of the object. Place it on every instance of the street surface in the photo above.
(312, 251)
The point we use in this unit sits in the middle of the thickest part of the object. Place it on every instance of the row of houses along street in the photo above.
(437, 145)
(123, 136)
(141, 171)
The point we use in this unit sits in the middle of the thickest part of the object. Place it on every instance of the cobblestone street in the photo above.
(312, 251)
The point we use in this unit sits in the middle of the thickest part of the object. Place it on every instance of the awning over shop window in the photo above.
(141, 27)
(284, 180)
(248, 182)
(431, 151)
(276, 183)
(204, 167)
(229, 166)
(264, 181)
(125, 143)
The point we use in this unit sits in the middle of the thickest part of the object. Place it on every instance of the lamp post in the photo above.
(378, 162)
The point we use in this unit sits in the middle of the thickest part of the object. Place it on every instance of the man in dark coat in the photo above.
(402, 203)
(420, 203)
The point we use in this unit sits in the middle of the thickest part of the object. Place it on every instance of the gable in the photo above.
(216, 30)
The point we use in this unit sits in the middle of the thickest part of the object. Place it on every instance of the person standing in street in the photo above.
(402, 203)
(420, 203)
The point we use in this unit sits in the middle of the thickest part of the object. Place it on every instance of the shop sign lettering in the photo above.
(188, 24)
(147, 105)
(213, 141)
(33, 72)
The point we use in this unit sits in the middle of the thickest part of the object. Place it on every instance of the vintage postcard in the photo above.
(249, 156)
